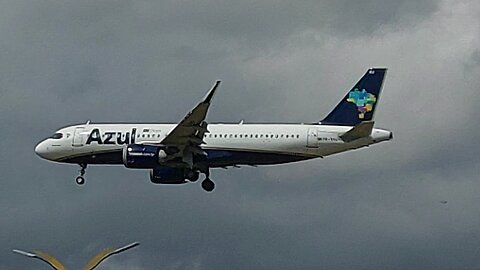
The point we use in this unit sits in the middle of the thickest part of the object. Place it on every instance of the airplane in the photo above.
(92, 264)
(179, 153)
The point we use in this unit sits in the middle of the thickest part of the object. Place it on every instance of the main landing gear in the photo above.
(80, 180)
(207, 184)
(192, 176)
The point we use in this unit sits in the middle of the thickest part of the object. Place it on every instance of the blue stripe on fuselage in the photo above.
(221, 158)
(214, 158)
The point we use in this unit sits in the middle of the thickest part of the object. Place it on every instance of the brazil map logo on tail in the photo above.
(363, 100)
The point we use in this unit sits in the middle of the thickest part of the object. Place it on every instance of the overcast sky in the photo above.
(66, 62)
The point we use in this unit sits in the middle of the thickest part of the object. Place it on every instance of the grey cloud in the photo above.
(366, 17)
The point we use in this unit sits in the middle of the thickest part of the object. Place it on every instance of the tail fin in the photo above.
(360, 102)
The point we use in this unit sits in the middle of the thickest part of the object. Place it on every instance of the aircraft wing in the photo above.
(104, 254)
(187, 136)
(54, 263)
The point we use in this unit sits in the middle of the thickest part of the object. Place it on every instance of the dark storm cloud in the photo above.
(63, 62)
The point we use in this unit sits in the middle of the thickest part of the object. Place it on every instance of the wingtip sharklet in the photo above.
(212, 91)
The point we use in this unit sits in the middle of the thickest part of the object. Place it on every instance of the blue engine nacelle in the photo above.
(167, 175)
(141, 156)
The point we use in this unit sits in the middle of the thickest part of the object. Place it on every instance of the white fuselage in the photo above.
(88, 142)
(178, 153)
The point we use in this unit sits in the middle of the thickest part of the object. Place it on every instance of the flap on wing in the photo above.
(361, 130)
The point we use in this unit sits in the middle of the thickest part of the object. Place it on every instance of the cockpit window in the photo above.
(57, 136)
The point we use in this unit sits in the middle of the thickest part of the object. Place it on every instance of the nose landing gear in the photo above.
(80, 180)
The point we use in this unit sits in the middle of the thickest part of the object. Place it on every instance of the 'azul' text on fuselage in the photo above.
(111, 137)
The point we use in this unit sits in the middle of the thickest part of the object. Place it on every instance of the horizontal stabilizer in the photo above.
(361, 130)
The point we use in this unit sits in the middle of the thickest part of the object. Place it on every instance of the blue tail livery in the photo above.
(360, 102)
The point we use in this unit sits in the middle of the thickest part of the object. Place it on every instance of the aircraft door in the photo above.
(312, 138)
(78, 136)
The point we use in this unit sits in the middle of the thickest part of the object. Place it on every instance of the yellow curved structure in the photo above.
(92, 264)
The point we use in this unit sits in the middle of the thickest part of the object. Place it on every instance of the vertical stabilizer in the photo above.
(360, 102)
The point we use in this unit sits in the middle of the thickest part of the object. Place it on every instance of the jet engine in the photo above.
(167, 175)
(139, 156)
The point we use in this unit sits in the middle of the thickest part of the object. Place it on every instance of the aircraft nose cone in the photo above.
(41, 150)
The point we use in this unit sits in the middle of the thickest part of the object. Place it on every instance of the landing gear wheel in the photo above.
(193, 177)
(80, 180)
(208, 185)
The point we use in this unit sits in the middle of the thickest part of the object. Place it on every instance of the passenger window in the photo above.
(215, 135)
(256, 135)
